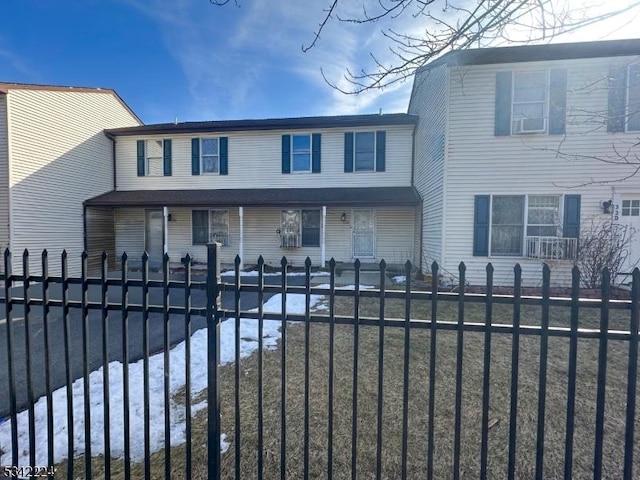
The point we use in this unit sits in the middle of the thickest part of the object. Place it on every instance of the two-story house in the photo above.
(53, 156)
(320, 187)
(519, 148)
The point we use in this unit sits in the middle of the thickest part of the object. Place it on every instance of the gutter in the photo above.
(113, 157)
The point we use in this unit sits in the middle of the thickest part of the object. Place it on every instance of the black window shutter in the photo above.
(224, 155)
(166, 157)
(617, 98)
(195, 156)
(503, 104)
(571, 223)
(381, 146)
(141, 161)
(286, 153)
(481, 226)
(315, 152)
(558, 101)
(348, 152)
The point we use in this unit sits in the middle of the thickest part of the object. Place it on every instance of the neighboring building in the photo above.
(53, 156)
(512, 147)
(323, 187)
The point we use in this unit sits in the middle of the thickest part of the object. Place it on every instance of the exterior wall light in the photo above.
(606, 206)
(343, 217)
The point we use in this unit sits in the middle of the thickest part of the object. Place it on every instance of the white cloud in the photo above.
(247, 61)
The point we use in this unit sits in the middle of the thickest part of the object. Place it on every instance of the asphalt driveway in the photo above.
(114, 331)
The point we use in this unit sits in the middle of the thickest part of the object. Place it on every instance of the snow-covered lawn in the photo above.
(248, 344)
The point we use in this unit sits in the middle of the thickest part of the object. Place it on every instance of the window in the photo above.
(530, 104)
(633, 98)
(310, 228)
(630, 208)
(154, 158)
(209, 155)
(300, 228)
(543, 216)
(365, 143)
(300, 153)
(507, 220)
(210, 226)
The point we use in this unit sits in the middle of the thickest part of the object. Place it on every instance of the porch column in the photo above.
(165, 240)
(323, 255)
(241, 243)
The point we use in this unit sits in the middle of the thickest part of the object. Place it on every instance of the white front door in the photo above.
(364, 234)
(626, 212)
(154, 236)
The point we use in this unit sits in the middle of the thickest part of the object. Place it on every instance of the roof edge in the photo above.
(336, 121)
(5, 87)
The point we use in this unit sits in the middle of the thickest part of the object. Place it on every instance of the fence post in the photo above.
(213, 359)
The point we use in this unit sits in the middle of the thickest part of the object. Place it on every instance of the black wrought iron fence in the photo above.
(91, 314)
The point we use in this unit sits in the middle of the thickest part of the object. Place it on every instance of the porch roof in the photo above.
(375, 196)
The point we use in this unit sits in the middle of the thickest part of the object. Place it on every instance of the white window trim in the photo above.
(310, 135)
(202, 172)
(147, 172)
(523, 247)
(627, 115)
(546, 101)
(375, 151)
(210, 211)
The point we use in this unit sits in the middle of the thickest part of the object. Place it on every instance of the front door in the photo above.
(154, 237)
(363, 234)
(627, 213)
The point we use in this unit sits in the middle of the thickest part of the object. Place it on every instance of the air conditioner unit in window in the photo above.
(530, 125)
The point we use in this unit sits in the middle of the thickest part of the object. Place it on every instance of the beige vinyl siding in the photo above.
(255, 161)
(59, 157)
(129, 232)
(100, 237)
(394, 236)
(429, 101)
(480, 163)
(4, 177)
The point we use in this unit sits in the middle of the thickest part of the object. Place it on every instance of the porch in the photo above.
(369, 224)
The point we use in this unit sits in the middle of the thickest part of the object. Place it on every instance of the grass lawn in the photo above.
(418, 401)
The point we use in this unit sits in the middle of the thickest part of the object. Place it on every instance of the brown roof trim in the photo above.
(6, 86)
(281, 197)
(336, 121)
(538, 53)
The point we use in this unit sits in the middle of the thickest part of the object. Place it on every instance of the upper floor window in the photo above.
(365, 151)
(529, 107)
(624, 98)
(633, 98)
(154, 158)
(210, 226)
(529, 102)
(301, 153)
(209, 155)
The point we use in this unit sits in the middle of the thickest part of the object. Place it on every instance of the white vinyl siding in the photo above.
(59, 157)
(478, 162)
(4, 178)
(255, 161)
(429, 100)
(394, 236)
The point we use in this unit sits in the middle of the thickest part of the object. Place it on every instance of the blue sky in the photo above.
(195, 61)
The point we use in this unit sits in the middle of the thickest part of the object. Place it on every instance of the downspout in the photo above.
(84, 227)
(420, 206)
(113, 159)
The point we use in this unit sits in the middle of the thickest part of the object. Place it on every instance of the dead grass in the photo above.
(418, 402)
